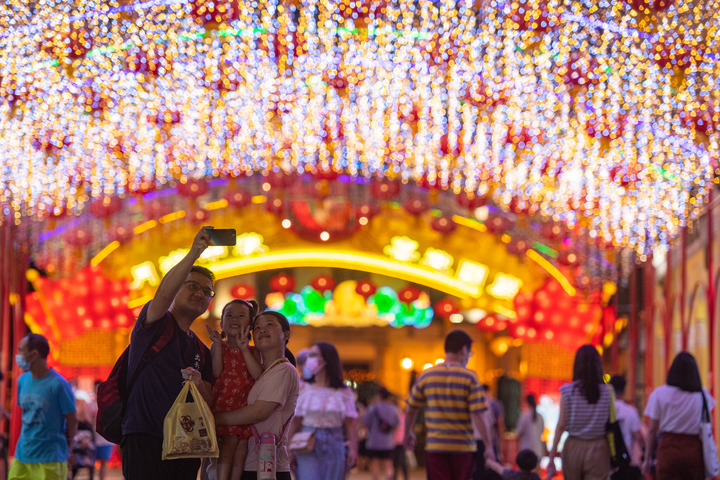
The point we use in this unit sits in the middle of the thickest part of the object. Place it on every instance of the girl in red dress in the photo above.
(236, 365)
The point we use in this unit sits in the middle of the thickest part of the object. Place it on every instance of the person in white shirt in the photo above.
(530, 429)
(675, 410)
(631, 428)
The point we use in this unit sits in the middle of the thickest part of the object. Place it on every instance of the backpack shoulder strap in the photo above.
(158, 344)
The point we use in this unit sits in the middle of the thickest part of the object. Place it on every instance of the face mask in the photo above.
(306, 373)
(312, 365)
(21, 362)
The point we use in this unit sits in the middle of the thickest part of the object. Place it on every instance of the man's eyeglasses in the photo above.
(194, 287)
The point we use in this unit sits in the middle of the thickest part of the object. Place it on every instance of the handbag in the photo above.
(189, 429)
(619, 456)
(302, 442)
(710, 456)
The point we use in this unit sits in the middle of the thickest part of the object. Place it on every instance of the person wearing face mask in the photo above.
(326, 406)
(49, 421)
(454, 402)
(304, 373)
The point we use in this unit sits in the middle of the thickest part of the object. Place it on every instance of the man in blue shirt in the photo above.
(48, 415)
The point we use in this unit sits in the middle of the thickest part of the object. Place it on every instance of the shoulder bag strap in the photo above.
(612, 403)
(158, 344)
(705, 413)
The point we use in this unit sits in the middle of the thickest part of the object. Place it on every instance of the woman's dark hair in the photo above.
(587, 371)
(333, 368)
(291, 358)
(684, 373)
(530, 399)
(284, 324)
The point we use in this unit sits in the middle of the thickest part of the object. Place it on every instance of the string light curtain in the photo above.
(596, 113)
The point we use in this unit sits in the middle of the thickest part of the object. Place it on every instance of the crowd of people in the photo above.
(306, 406)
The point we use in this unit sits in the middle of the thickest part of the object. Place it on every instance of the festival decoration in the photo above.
(243, 291)
(344, 306)
(376, 90)
(282, 283)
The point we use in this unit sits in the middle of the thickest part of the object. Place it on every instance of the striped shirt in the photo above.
(449, 394)
(584, 420)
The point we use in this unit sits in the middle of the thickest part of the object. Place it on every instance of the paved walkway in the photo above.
(116, 474)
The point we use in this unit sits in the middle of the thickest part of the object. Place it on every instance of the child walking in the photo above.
(236, 366)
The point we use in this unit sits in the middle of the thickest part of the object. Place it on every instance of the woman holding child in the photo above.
(271, 401)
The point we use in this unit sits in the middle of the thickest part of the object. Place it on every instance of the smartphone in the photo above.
(222, 237)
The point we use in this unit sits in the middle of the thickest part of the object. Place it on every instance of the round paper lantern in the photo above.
(121, 233)
(155, 208)
(416, 206)
(570, 258)
(529, 18)
(553, 230)
(275, 205)
(443, 225)
(409, 294)
(238, 198)
(282, 283)
(323, 283)
(497, 224)
(367, 210)
(470, 201)
(243, 291)
(149, 62)
(365, 288)
(105, 207)
(193, 188)
(384, 189)
(580, 71)
(214, 14)
(446, 307)
(279, 179)
(198, 216)
(518, 246)
(79, 237)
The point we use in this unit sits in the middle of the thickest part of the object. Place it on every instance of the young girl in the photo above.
(236, 366)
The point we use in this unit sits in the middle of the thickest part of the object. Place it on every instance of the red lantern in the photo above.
(279, 179)
(498, 225)
(570, 258)
(155, 208)
(518, 247)
(150, 62)
(528, 18)
(323, 283)
(79, 237)
(198, 216)
(446, 307)
(238, 198)
(409, 294)
(193, 188)
(416, 206)
(105, 207)
(275, 205)
(603, 127)
(580, 71)
(704, 118)
(650, 6)
(443, 225)
(365, 288)
(470, 201)
(335, 78)
(243, 291)
(121, 233)
(282, 283)
(384, 189)
(672, 54)
(214, 14)
(522, 136)
(553, 230)
(51, 142)
(367, 210)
